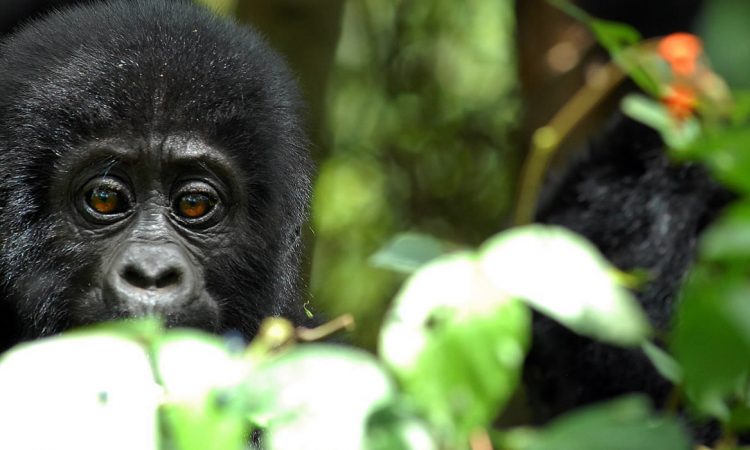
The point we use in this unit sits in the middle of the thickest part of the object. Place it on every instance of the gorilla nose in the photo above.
(147, 278)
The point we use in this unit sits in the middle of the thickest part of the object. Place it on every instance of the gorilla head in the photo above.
(151, 162)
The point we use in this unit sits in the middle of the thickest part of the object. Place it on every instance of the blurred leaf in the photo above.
(740, 418)
(393, 428)
(619, 40)
(728, 239)
(204, 408)
(663, 361)
(725, 153)
(614, 36)
(677, 135)
(741, 111)
(144, 330)
(711, 338)
(456, 345)
(565, 277)
(623, 424)
(89, 391)
(317, 397)
(407, 252)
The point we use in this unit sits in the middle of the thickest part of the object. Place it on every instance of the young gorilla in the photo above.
(152, 161)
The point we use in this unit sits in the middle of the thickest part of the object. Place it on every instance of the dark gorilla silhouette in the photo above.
(643, 212)
(152, 161)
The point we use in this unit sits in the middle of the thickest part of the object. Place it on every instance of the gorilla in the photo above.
(643, 212)
(152, 162)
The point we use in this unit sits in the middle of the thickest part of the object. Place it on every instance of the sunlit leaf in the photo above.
(83, 392)
(565, 277)
(456, 344)
(201, 378)
(317, 397)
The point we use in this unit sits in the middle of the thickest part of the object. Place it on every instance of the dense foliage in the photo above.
(451, 346)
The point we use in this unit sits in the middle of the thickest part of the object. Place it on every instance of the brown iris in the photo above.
(194, 205)
(104, 201)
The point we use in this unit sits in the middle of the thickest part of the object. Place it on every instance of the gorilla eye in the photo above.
(194, 205)
(106, 199)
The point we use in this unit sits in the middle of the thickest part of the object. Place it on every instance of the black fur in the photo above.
(150, 74)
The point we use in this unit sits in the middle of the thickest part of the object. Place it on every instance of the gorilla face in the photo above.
(151, 162)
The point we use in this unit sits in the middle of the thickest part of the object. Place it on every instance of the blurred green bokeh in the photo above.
(421, 103)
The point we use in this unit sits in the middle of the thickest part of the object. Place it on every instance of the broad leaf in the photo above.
(407, 252)
(623, 424)
(78, 392)
(565, 277)
(456, 344)
(317, 397)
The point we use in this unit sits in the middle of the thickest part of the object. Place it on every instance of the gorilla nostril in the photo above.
(135, 277)
(168, 277)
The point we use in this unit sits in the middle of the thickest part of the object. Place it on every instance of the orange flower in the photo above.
(680, 100)
(681, 51)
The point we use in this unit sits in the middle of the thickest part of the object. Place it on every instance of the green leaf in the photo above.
(396, 428)
(204, 407)
(86, 392)
(740, 418)
(678, 136)
(620, 41)
(317, 396)
(725, 153)
(407, 252)
(614, 36)
(711, 338)
(144, 330)
(623, 424)
(728, 239)
(741, 110)
(565, 277)
(456, 345)
(664, 363)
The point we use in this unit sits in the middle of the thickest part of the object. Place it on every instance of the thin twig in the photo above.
(344, 322)
(547, 139)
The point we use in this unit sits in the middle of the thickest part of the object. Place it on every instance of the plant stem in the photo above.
(547, 139)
